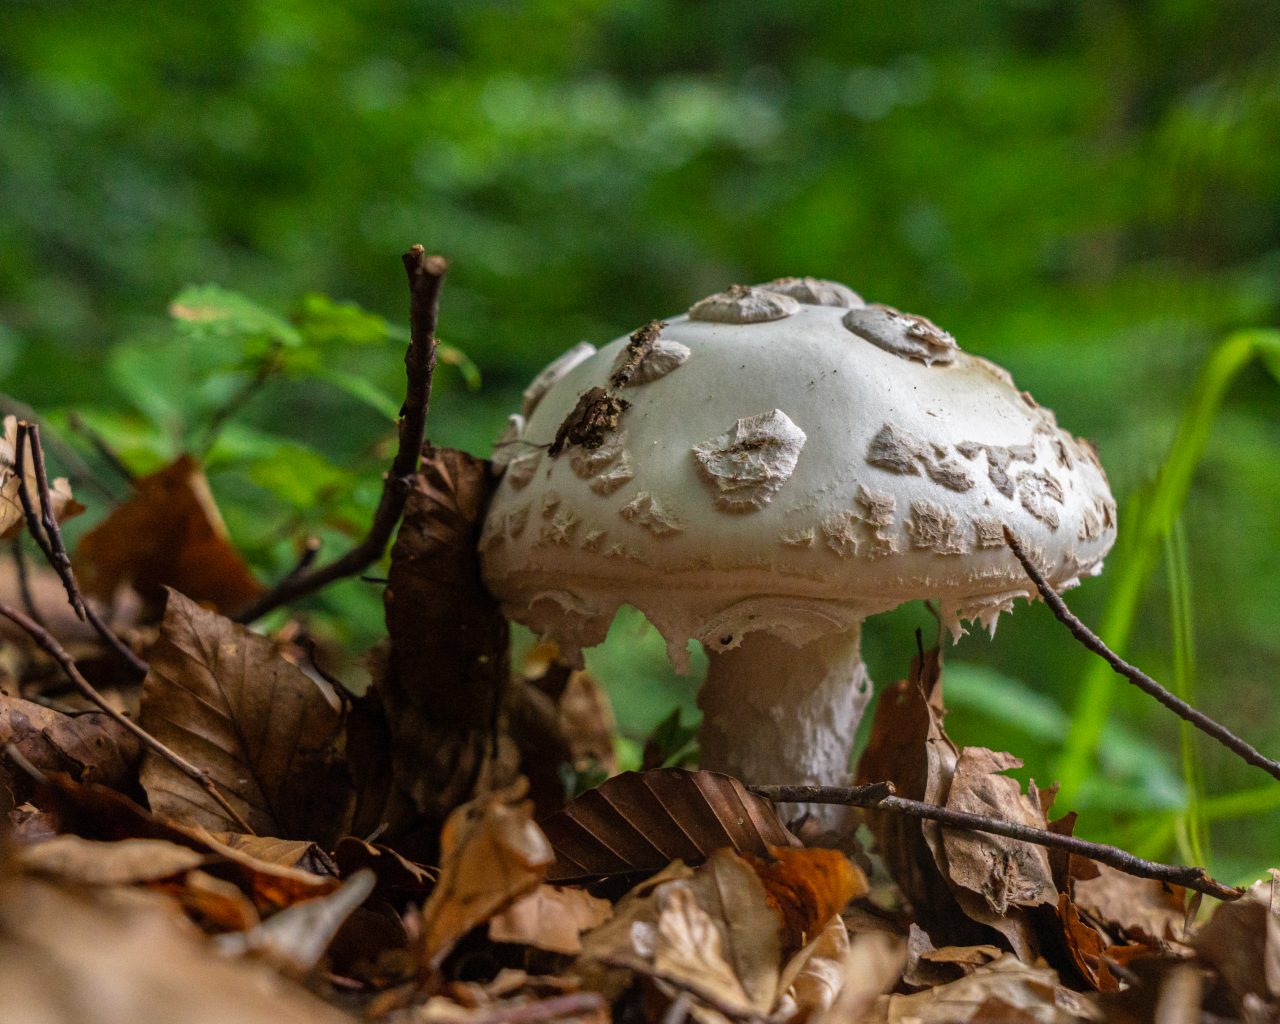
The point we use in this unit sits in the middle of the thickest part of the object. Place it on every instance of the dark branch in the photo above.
(1091, 640)
(426, 275)
(872, 797)
(51, 543)
(45, 641)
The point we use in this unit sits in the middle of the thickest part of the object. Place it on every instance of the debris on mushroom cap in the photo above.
(750, 463)
(815, 291)
(553, 373)
(660, 359)
(903, 334)
(743, 304)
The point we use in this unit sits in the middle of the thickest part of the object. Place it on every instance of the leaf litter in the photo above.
(412, 854)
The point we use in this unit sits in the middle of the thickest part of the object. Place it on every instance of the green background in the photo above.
(1087, 193)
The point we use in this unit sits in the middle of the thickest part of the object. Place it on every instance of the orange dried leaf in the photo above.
(806, 888)
(169, 534)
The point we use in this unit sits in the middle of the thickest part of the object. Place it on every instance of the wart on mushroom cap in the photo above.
(785, 462)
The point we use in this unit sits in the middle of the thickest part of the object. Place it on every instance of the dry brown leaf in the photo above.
(1241, 941)
(710, 932)
(271, 886)
(909, 748)
(1142, 909)
(12, 519)
(168, 534)
(1091, 952)
(814, 976)
(91, 747)
(124, 862)
(295, 939)
(491, 854)
(266, 733)
(287, 853)
(639, 822)
(446, 669)
(552, 917)
(1005, 990)
(112, 956)
(928, 966)
(872, 966)
(806, 888)
(1004, 872)
(214, 904)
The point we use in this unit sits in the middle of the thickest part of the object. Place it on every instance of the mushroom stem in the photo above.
(773, 711)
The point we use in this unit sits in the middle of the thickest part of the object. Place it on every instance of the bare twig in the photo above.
(310, 549)
(1243, 750)
(45, 641)
(426, 275)
(80, 472)
(871, 797)
(51, 544)
(24, 580)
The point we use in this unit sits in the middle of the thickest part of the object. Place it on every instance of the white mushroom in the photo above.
(785, 479)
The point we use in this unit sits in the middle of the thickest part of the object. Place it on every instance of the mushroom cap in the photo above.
(791, 474)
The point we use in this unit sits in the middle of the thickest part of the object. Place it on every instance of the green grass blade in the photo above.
(1143, 528)
(1193, 833)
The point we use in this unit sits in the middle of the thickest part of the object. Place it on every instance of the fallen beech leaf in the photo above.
(119, 956)
(710, 932)
(295, 939)
(124, 862)
(928, 966)
(813, 978)
(12, 519)
(551, 917)
(92, 747)
(909, 748)
(446, 666)
(266, 732)
(1005, 990)
(1004, 872)
(639, 822)
(491, 854)
(271, 886)
(214, 904)
(287, 853)
(168, 534)
(1241, 941)
(806, 888)
(1141, 909)
(872, 966)
(1090, 951)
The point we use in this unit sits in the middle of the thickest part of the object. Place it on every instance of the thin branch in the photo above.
(868, 796)
(310, 550)
(426, 275)
(80, 472)
(51, 544)
(1086, 636)
(24, 580)
(45, 641)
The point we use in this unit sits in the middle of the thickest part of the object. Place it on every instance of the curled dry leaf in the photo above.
(90, 747)
(639, 822)
(396, 875)
(491, 854)
(266, 732)
(1241, 941)
(286, 853)
(872, 966)
(113, 956)
(1141, 909)
(168, 534)
(12, 519)
(1005, 990)
(552, 917)
(295, 939)
(446, 669)
(124, 862)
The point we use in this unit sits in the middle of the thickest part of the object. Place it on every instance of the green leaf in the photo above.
(324, 321)
(210, 314)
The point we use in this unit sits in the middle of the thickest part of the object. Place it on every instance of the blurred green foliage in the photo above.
(1088, 193)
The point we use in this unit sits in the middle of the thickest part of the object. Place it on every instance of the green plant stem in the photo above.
(1143, 528)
